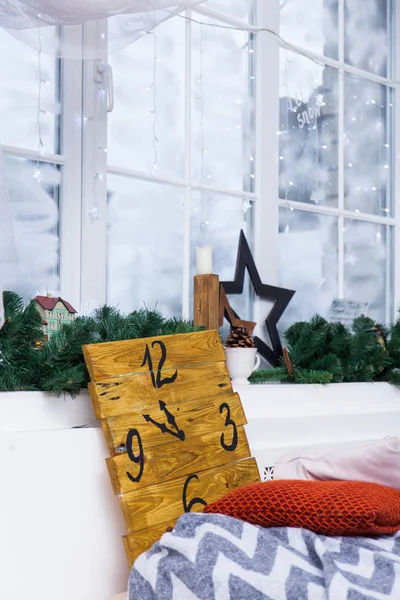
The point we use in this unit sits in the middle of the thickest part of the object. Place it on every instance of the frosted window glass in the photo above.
(368, 26)
(144, 245)
(241, 9)
(308, 131)
(217, 220)
(25, 76)
(368, 148)
(34, 209)
(222, 108)
(146, 128)
(312, 25)
(368, 271)
(308, 259)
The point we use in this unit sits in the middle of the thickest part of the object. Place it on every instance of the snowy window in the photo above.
(30, 113)
(180, 157)
(277, 117)
(336, 132)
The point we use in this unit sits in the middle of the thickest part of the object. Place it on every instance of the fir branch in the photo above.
(177, 325)
(304, 376)
(329, 363)
(392, 376)
(269, 375)
(393, 343)
(58, 365)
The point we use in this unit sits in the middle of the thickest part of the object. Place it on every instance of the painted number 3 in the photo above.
(229, 423)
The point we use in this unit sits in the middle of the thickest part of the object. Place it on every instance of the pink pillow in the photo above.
(374, 462)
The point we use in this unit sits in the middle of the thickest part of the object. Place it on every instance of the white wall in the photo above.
(60, 523)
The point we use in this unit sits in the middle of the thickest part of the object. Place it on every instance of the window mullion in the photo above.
(396, 157)
(341, 132)
(186, 308)
(71, 150)
(94, 187)
(266, 209)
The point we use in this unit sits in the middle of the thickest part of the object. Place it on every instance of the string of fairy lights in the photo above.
(100, 175)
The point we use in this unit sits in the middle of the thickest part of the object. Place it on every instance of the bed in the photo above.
(218, 557)
(214, 557)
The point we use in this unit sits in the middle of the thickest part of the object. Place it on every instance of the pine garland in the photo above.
(29, 363)
(317, 351)
(322, 352)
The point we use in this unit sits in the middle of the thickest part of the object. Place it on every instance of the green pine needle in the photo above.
(58, 365)
(320, 352)
(269, 375)
(308, 377)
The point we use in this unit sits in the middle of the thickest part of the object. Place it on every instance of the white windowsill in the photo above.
(283, 416)
(279, 415)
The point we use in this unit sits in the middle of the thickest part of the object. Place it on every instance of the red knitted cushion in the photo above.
(326, 507)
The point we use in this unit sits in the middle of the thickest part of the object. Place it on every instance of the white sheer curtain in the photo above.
(23, 14)
(29, 20)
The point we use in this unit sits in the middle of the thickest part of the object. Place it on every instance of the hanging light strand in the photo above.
(37, 170)
(154, 111)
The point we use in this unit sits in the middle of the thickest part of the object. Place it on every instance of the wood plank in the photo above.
(137, 543)
(194, 418)
(225, 310)
(129, 357)
(177, 459)
(143, 509)
(118, 396)
(206, 301)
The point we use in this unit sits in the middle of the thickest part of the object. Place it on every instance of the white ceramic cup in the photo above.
(241, 362)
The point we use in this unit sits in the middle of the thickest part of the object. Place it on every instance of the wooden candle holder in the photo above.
(206, 301)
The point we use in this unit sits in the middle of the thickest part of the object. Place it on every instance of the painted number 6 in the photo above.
(188, 507)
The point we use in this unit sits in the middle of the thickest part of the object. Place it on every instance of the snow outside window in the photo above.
(336, 156)
(216, 127)
(181, 156)
(30, 111)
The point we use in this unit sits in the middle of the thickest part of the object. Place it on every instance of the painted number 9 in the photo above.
(138, 459)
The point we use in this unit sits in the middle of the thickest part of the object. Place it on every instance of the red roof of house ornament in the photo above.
(48, 303)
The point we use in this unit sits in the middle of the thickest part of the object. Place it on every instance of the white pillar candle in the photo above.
(204, 260)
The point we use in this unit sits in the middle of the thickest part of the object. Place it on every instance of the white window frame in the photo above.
(71, 135)
(84, 238)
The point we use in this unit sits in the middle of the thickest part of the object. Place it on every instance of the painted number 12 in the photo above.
(157, 380)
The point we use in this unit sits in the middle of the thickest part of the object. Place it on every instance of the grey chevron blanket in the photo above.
(213, 557)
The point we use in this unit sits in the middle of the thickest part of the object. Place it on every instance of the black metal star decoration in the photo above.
(280, 296)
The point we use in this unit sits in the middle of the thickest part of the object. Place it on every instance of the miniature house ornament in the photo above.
(204, 262)
(54, 312)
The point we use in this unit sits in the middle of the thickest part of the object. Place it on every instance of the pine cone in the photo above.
(240, 338)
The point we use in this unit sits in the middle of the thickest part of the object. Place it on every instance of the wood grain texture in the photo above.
(206, 301)
(174, 428)
(112, 359)
(196, 417)
(137, 543)
(162, 503)
(119, 396)
(177, 459)
(225, 310)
